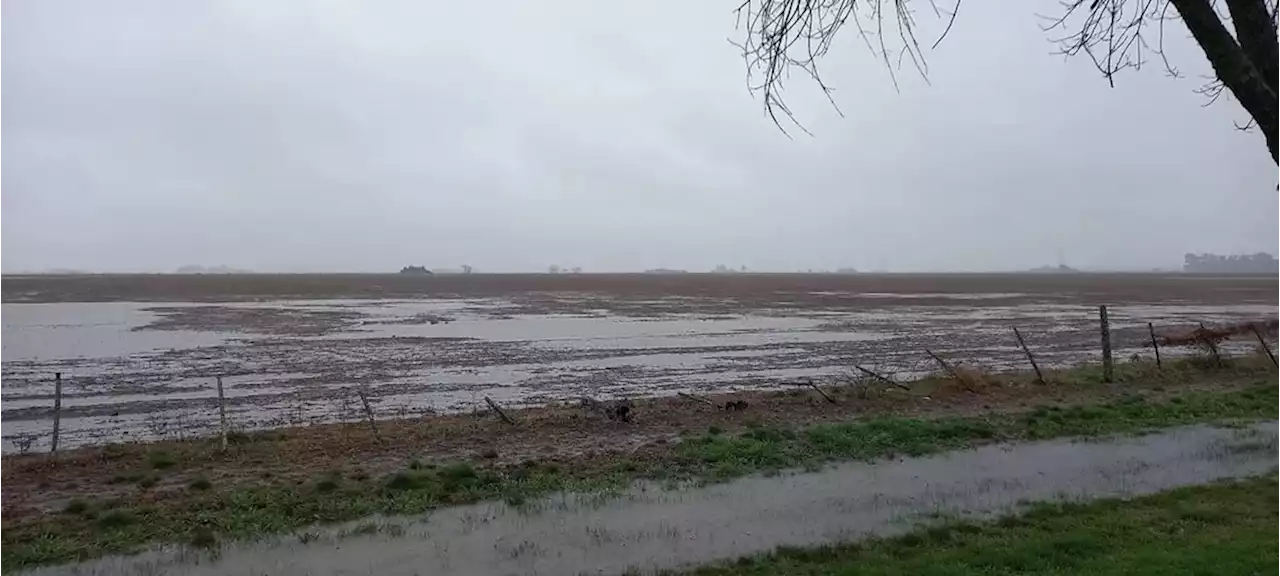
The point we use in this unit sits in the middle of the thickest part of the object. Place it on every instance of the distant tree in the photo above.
(1116, 35)
(1259, 263)
(466, 268)
(576, 270)
(553, 269)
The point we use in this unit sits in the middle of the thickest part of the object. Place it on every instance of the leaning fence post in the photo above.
(494, 406)
(825, 396)
(961, 380)
(222, 414)
(57, 411)
(368, 413)
(1106, 343)
(1207, 337)
(1030, 358)
(881, 377)
(1263, 342)
(1155, 345)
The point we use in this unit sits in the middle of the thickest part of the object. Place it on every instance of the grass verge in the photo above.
(1227, 528)
(92, 529)
(717, 456)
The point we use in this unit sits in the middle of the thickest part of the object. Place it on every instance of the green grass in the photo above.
(1215, 529)
(77, 506)
(327, 484)
(203, 537)
(116, 519)
(717, 456)
(161, 460)
(243, 513)
(251, 512)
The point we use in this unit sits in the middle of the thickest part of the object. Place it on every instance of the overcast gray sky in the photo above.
(363, 136)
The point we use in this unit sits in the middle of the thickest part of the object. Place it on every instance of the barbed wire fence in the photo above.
(1105, 336)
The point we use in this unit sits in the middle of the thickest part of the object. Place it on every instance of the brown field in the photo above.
(139, 353)
(747, 289)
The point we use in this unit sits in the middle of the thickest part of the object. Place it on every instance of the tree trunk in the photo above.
(1233, 65)
(1256, 32)
(1274, 145)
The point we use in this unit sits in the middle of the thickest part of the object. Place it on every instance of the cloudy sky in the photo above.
(363, 136)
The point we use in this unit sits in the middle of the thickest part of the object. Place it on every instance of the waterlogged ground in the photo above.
(650, 528)
(145, 370)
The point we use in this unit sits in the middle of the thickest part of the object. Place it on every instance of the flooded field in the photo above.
(138, 355)
(650, 529)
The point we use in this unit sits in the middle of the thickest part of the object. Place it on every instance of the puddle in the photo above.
(297, 350)
(614, 332)
(651, 529)
(89, 330)
(939, 295)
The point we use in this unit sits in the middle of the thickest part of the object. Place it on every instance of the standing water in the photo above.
(649, 529)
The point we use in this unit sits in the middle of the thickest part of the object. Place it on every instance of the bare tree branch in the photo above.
(1232, 65)
(784, 34)
(1116, 35)
(1211, 90)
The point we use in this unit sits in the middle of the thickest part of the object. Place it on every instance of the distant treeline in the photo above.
(1260, 263)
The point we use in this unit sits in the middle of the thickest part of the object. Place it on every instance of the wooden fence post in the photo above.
(1107, 375)
(57, 411)
(881, 377)
(494, 406)
(1207, 337)
(960, 379)
(1263, 342)
(1030, 358)
(1155, 345)
(825, 396)
(222, 414)
(368, 413)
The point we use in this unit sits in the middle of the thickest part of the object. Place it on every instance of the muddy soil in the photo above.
(145, 368)
(631, 290)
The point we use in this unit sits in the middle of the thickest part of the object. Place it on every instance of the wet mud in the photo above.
(145, 369)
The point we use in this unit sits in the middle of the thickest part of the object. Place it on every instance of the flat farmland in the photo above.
(139, 354)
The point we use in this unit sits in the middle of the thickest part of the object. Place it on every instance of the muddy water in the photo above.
(88, 330)
(145, 371)
(650, 529)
